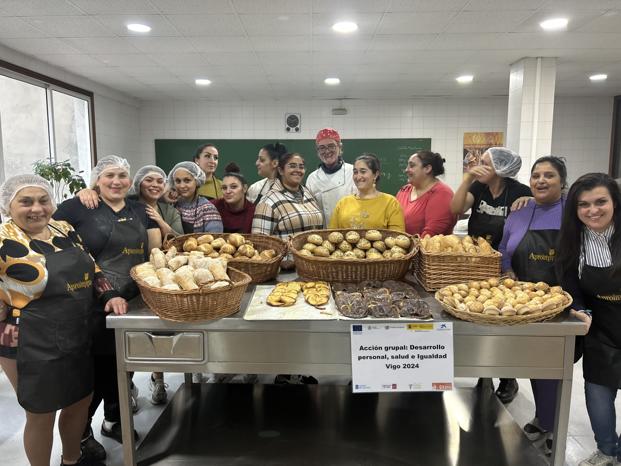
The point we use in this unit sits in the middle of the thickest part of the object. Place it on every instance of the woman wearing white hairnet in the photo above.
(490, 189)
(148, 187)
(197, 213)
(47, 287)
(119, 234)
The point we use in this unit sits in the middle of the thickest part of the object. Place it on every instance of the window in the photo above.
(41, 119)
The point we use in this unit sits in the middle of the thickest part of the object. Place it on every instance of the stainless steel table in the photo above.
(233, 345)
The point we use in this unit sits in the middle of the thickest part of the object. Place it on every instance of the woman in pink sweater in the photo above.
(425, 200)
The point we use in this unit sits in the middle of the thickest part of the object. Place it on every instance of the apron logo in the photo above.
(86, 283)
(610, 297)
(133, 251)
(549, 257)
(485, 208)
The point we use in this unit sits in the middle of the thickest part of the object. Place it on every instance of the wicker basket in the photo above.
(194, 305)
(259, 271)
(435, 270)
(504, 320)
(349, 270)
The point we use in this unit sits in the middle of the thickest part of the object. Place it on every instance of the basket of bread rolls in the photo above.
(257, 255)
(448, 259)
(189, 286)
(503, 301)
(352, 255)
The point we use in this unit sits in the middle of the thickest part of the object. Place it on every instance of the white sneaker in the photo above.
(158, 391)
(134, 394)
(598, 459)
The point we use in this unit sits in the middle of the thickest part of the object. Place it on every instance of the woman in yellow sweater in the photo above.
(369, 208)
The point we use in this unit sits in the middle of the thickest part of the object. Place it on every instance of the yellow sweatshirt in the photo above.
(383, 211)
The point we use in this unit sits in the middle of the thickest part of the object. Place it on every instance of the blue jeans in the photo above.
(600, 403)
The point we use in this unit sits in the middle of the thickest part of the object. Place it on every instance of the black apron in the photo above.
(488, 226)
(533, 259)
(54, 364)
(124, 249)
(602, 345)
(187, 226)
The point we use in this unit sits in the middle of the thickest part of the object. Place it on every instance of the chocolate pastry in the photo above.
(383, 310)
(414, 308)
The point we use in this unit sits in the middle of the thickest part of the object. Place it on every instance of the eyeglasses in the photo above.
(329, 147)
(293, 166)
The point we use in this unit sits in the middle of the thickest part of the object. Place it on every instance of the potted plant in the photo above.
(62, 176)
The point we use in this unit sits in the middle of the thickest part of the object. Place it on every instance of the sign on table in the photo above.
(388, 357)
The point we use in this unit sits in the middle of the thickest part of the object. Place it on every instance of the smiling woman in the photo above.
(369, 208)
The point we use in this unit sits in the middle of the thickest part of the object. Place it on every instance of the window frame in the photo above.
(50, 84)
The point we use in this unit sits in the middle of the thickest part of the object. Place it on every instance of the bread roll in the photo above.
(166, 276)
(157, 258)
(202, 276)
(184, 277)
(177, 262)
(373, 235)
(204, 239)
(236, 239)
(315, 239)
(336, 237)
(352, 237)
(403, 242)
(329, 246)
(205, 248)
(218, 243)
(320, 251)
(190, 244)
(228, 249)
(172, 252)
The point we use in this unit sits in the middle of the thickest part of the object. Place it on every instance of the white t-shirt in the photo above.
(261, 187)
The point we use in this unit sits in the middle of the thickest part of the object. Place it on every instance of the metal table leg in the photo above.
(563, 400)
(127, 419)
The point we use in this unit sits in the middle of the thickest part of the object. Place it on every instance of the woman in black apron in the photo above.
(489, 189)
(589, 266)
(47, 288)
(119, 235)
(529, 251)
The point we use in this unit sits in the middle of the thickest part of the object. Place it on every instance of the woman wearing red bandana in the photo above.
(333, 180)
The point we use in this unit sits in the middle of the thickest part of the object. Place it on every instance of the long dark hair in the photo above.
(275, 151)
(571, 234)
(433, 159)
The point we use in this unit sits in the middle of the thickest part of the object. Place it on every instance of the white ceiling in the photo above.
(283, 49)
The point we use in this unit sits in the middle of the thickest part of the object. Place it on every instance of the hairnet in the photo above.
(142, 173)
(107, 163)
(194, 170)
(506, 162)
(15, 184)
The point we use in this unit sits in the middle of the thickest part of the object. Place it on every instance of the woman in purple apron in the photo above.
(528, 247)
(47, 284)
(589, 265)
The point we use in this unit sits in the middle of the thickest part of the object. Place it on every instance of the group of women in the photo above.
(62, 270)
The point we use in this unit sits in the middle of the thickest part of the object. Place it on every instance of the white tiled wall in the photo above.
(578, 124)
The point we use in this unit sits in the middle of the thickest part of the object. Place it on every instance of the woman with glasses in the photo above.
(369, 208)
(288, 208)
(333, 180)
(267, 168)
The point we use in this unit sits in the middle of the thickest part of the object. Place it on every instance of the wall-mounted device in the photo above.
(293, 122)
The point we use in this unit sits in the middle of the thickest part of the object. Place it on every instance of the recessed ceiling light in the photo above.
(202, 82)
(554, 24)
(135, 27)
(465, 79)
(598, 77)
(332, 81)
(345, 27)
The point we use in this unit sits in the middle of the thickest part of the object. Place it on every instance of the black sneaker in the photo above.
(91, 449)
(115, 432)
(533, 430)
(547, 445)
(507, 390)
(83, 461)
(288, 379)
(485, 383)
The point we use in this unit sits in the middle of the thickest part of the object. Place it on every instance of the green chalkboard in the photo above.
(393, 153)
